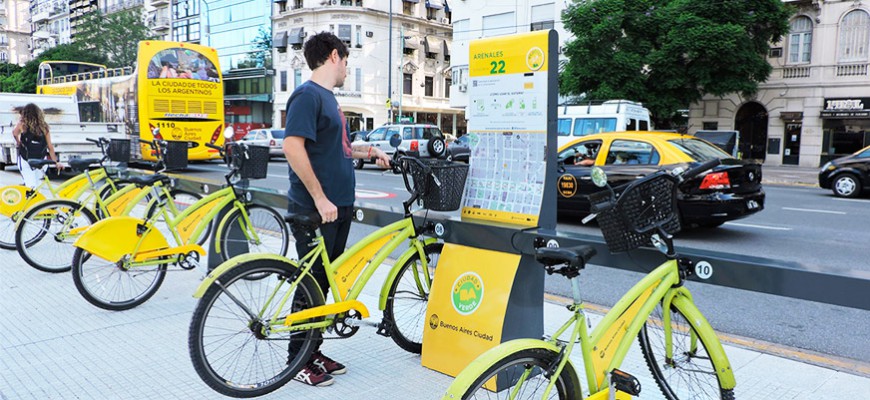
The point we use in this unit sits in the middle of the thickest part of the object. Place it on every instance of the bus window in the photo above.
(564, 127)
(588, 126)
(644, 125)
(632, 125)
(181, 63)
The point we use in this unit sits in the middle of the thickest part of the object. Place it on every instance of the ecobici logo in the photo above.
(467, 293)
(11, 196)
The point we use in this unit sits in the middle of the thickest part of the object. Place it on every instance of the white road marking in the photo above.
(812, 210)
(773, 228)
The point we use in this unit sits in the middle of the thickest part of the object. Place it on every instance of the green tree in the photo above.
(115, 35)
(669, 53)
(23, 79)
(262, 54)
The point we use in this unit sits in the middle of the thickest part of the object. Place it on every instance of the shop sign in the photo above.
(846, 108)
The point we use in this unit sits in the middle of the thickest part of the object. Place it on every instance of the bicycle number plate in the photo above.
(751, 204)
(703, 270)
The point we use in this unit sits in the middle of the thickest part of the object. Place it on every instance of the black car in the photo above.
(847, 176)
(729, 191)
(458, 150)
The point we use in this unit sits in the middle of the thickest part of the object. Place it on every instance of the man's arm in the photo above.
(367, 152)
(297, 157)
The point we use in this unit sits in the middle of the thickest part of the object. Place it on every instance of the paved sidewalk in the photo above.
(790, 175)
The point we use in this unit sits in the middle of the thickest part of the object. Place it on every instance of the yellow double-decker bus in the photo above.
(174, 93)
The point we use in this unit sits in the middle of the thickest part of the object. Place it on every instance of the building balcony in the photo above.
(159, 24)
(159, 3)
(40, 16)
(2, 11)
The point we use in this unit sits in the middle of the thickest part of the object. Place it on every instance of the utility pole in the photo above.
(390, 69)
(402, 92)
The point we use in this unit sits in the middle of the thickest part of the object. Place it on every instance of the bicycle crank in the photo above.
(348, 325)
(189, 261)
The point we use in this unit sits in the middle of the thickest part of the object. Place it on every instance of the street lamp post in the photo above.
(390, 68)
(207, 27)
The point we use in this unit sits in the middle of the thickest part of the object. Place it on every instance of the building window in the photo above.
(854, 36)
(344, 33)
(282, 6)
(359, 36)
(283, 81)
(460, 30)
(800, 40)
(447, 83)
(429, 86)
(297, 78)
(358, 80)
(408, 8)
(499, 24)
(710, 125)
(407, 82)
(542, 17)
(297, 4)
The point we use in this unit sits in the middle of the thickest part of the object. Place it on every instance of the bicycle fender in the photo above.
(714, 347)
(115, 237)
(394, 271)
(486, 360)
(14, 199)
(238, 260)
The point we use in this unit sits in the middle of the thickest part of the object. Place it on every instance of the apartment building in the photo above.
(400, 50)
(14, 31)
(49, 24)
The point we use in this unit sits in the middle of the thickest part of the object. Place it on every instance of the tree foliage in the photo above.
(669, 53)
(17, 79)
(116, 35)
(262, 54)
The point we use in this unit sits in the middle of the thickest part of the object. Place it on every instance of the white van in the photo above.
(610, 116)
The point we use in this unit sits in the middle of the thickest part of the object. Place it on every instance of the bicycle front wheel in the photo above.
(237, 236)
(112, 286)
(7, 233)
(690, 373)
(181, 199)
(522, 375)
(231, 347)
(408, 298)
(42, 236)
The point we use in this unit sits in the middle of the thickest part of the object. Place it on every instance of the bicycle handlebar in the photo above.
(692, 172)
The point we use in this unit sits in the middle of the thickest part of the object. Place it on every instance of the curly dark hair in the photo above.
(33, 119)
(318, 48)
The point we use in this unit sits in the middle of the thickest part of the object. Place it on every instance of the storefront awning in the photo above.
(411, 1)
(279, 40)
(445, 48)
(296, 36)
(430, 48)
(446, 6)
(412, 43)
(433, 4)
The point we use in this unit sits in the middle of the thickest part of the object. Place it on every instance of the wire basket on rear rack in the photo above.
(175, 157)
(640, 207)
(443, 192)
(254, 166)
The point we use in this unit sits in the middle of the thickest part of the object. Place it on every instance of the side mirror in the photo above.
(599, 178)
(395, 140)
(229, 133)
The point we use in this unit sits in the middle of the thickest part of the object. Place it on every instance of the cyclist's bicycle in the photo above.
(682, 351)
(45, 233)
(120, 262)
(17, 199)
(249, 337)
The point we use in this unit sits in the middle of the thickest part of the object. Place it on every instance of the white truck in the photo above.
(68, 133)
(610, 116)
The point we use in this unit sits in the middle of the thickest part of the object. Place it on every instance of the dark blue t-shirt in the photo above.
(314, 114)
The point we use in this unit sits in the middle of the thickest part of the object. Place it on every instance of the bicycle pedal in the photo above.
(624, 382)
(384, 328)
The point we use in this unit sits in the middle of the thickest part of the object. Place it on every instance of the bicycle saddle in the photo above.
(147, 180)
(575, 257)
(81, 164)
(38, 163)
(304, 220)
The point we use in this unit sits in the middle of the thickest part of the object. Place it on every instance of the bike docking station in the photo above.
(482, 295)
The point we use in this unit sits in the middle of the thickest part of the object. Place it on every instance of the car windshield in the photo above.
(278, 133)
(699, 150)
(250, 136)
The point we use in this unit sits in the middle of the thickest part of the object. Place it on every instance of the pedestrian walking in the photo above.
(33, 139)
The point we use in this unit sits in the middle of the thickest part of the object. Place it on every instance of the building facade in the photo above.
(815, 106)
(399, 64)
(14, 31)
(49, 24)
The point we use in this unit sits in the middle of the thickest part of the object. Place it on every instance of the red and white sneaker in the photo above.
(326, 364)
(312, 375)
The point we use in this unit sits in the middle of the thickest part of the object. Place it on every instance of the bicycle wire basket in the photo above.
(119, 150)
(641, 206)
(445, 194)
(175, 156)
(254, 166)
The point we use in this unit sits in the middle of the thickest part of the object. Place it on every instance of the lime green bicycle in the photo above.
(249, 337)
(680, 347)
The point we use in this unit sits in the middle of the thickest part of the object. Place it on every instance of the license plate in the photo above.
(751, 204)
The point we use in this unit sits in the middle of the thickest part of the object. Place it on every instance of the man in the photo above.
(317, 146)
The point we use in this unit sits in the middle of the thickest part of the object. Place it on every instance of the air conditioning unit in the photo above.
(445, 20)
(463, 88)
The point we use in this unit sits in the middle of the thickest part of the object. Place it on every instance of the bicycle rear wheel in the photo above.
(408, 298)
(691, 373)
(7, 233)
(228, 347)
(110, 286)
(523, 375)
(272, 233)
(41, 236)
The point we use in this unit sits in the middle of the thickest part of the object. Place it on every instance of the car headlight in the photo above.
(829, 166)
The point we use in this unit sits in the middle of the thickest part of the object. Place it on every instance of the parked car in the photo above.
(422, 139)
(729, 191)
(458, 150)
(273, 138)
(847, 176)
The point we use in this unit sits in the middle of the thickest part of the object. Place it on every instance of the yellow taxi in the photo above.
(729, 191)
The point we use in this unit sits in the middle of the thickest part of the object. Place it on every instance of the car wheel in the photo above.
(358, 163)
(846, 185)
(436, 147)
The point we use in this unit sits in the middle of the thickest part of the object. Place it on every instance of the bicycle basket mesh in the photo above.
(175, 157)
(444, 197)
(641, 206)
(256, 165)
(119, 150)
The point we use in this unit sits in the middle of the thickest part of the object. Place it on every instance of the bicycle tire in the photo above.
(104, 193)
(36, 235)
(182, 199)
(269, 225)
(699, 380)
(515, 364)
(93, 280)
(217, 320)
(408, 321)
(7, 233)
